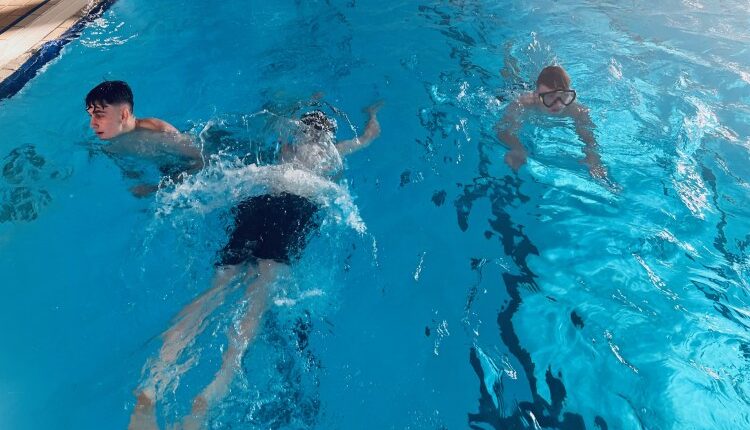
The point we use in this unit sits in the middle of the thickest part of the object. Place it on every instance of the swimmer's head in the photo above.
(553, 90)
(110, 106)
(316, 122)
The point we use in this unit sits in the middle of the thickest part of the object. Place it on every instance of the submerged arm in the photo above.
(193, 166)
(585, 130)
(372, 131)
(175, 143)
(507, 132)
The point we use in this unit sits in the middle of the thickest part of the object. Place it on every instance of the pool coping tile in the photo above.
(39, 30)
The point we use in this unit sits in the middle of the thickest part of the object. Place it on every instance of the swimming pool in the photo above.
(473, 297)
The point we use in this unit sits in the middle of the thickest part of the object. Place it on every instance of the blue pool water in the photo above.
(445, 292)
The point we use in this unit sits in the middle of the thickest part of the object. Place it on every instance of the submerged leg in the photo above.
(241, 334)
(189, 323)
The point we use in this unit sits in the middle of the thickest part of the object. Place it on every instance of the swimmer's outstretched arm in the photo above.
(179, 144)
(507, 132)
(372, 131)
(585, 129)
(143, 190)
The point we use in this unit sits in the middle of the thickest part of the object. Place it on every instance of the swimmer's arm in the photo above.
(179, 144)
(372, 131)
(507, 132)
(195, 164)
(585, 129)
(143, 190)
(112, 151)
(183, 145)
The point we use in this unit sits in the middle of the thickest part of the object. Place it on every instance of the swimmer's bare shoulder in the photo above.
(517, 108)
(510, 121)
(155, 124)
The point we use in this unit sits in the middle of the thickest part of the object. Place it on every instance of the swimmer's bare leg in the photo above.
(188, 324)
(241, 335)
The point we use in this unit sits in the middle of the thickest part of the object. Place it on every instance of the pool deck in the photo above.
(25, 25)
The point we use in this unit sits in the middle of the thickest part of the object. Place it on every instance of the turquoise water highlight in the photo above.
(474, 296)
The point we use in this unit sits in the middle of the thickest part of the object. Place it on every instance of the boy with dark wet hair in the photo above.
(553, 96)
(110, 108)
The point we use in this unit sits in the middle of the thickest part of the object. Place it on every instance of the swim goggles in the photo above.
(566, 97)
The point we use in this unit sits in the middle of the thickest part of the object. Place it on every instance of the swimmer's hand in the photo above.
(372, 131)
(599, 172)
(373, 109)
(596, 169)
(143, 190)
(515, 158)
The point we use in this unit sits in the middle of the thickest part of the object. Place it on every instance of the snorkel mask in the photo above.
(549, 98)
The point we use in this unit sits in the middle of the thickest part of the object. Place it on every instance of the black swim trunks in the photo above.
(270, 227)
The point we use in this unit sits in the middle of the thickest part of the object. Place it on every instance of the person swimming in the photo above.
(553, 96)
(275, 226)
(110, 106)
(269, 233)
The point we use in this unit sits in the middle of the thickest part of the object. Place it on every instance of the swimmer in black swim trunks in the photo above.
(270, 232)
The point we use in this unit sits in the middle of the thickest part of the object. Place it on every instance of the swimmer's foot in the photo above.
(197, 418)
(144, 417)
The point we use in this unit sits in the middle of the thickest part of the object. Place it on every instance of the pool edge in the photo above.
(48, 51)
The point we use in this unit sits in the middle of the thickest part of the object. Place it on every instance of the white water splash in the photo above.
(442, 332)
(616, 351)
(669, 237)
(656, 281)
(418, 271)
(287, 301)
(226, 182)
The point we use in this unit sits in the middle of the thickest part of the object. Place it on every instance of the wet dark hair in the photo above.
(110, 93)
(554, 77)
(319, 121)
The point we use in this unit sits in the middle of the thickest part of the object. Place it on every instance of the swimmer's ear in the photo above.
(125, 111)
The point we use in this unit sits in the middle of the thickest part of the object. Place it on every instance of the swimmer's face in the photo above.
(108, 121)
(559, 100)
